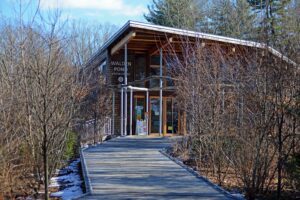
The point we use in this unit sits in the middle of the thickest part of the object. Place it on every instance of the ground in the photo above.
(68, 181)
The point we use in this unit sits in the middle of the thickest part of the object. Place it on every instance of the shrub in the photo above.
(71, 150)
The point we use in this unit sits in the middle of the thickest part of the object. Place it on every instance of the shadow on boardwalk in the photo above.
(133, 168)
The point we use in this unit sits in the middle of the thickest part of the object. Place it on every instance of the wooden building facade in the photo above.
(134, 62)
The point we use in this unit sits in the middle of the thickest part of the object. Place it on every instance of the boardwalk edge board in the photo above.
(87, 182)
(196, 174)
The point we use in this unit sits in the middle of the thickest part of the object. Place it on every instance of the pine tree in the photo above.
(280, 31)
(232, 18)
(180, 13)
(274, 15)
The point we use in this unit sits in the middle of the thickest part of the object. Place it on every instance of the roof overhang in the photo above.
(161, 35)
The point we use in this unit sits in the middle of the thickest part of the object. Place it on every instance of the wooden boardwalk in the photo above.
(133, 168)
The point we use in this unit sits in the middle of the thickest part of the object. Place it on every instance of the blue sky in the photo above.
(115, 12)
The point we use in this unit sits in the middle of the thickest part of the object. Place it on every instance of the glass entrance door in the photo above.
(139, 115)
(171, 117)
(154, 115)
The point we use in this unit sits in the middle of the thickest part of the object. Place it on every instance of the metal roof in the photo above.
(183, 32)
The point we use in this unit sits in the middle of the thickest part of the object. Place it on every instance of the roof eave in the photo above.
(182, 32)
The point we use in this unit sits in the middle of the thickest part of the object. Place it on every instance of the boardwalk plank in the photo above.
(133, 168)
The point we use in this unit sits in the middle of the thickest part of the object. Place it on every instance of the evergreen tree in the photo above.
(274, 17)
(232, 18)
(293, 22)
(179, 13)
(280, 29)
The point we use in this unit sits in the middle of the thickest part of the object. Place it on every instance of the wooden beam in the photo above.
(156, 49)
(144, 40)
(137, 49)
(120, 44)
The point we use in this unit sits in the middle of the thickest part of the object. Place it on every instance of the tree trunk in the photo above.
(95, 127)
(279, 176)
(46, 174)
(279, 163)
(45, 159)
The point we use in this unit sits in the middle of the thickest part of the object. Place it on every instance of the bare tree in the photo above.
(38, 97)
(41, 65)
(239, 103)
(96, 96)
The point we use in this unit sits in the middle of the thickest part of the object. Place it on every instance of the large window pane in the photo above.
(154, 82)
(140, 69)
(169, 65)
(140, 66)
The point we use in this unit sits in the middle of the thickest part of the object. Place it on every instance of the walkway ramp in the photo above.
(133, 168)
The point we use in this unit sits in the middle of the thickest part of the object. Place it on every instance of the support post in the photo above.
(113, 113)
(160, 93)
(122, 118)
(125, 111)
(125, 94)
(147, 110)
(131, 111)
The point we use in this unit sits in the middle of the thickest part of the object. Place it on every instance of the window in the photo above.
(154, 71)
(169, 70)
(140, 66)
(155, 61)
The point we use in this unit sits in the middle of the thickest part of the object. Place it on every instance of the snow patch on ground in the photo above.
(238, 195)
(68, 193)
(68, 181)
